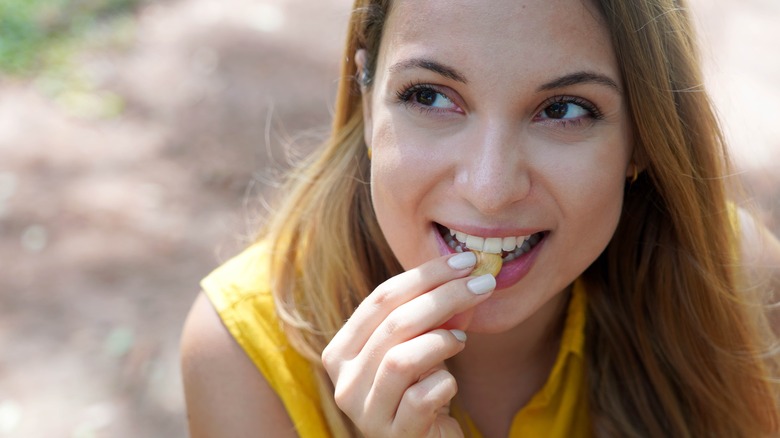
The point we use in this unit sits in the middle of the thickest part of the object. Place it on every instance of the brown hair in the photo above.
(668, 324)
(674, 347)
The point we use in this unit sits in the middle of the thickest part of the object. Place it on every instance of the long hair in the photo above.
(673, 346)
(328, 251)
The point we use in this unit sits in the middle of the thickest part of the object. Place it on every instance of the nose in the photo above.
(494, 171)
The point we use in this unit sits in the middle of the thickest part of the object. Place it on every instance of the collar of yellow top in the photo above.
(572, 345)
(572, 342)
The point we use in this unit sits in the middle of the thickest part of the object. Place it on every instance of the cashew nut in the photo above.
(487, 263)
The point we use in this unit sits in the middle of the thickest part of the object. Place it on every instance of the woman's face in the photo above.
(499, 120)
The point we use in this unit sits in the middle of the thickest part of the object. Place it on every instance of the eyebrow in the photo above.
(427, 64)
(577, 78)
(581, 77)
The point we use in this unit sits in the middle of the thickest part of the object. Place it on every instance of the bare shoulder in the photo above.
(225, 393)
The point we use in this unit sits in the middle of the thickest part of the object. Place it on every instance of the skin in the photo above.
(226, 395)
(491, 168)
(473, 149)
(486, 163)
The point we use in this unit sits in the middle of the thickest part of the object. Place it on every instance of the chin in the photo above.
(532, 299)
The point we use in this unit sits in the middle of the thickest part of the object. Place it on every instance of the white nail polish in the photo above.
(462, 260)
(460, 335)
(482, 284)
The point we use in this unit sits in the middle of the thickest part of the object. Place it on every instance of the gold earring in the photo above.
(636, 173)
(369, 152)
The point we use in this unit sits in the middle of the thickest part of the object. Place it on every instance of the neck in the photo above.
(510, 367)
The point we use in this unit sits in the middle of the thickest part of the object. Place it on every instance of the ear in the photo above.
(365, 91)
(631, 169)
(635, 167)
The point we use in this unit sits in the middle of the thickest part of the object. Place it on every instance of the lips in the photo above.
(517, 252)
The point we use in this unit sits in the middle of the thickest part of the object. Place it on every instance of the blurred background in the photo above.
(137, 141)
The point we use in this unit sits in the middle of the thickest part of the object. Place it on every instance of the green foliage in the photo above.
(37, 33)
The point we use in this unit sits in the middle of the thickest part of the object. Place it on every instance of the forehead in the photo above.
(500, 33)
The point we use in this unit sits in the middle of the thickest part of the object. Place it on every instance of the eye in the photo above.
(426, 98)
(567, 109)
(430, 97)
(564, 110)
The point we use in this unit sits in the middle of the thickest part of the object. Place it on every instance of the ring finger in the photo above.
(407, 363)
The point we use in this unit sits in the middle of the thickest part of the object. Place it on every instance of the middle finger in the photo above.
(427, 312)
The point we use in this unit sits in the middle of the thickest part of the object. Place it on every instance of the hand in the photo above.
(387, 362)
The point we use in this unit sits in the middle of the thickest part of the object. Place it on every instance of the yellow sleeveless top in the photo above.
(239, 291)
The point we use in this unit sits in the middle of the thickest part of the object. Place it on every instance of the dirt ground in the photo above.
(107, 222)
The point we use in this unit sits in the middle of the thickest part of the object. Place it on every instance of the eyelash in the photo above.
(405, 94)
(594, 111)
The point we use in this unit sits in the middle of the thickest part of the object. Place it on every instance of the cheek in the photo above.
(594, 193)
(407, 162)
(401, 181)
(393, 171)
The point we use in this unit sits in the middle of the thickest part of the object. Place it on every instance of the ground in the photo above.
(118, 196)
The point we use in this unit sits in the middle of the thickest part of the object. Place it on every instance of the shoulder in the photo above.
(225, 393)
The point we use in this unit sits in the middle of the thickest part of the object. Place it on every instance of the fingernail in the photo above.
(482, 284)
(463, 260)
(460, 335)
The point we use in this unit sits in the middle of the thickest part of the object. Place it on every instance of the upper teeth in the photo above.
(492, 245)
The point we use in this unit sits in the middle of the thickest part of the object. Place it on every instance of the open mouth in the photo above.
(510, 248)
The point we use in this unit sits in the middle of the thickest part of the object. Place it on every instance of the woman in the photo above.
(576, 137)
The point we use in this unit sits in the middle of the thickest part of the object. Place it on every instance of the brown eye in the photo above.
(426, 97)
(432, 98)
(557, 110)
(566, 110)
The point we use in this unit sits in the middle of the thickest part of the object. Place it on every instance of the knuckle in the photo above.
(397, 362)
(341, 397)
(393, 324)
(344, 394)
(419, 401)
(425, 398)
(383, 293)
(328, 358)
(449, 387)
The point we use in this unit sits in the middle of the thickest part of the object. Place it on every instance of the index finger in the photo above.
(395, 292)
